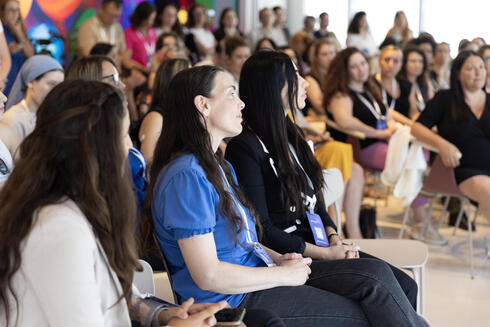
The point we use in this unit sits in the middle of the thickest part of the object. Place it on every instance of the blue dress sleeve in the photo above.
(189, 206)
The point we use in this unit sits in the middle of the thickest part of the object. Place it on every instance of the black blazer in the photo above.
(261, 186)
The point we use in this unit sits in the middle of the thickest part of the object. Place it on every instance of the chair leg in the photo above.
(460, 216)
(421, 308)
(405, 220)
(339, 217)
(472, 274)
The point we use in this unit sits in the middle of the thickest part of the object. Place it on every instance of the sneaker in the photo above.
(432, 236)
(453, 217)
(417, 231)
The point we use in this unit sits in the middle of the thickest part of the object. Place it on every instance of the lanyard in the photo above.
(150, 50)
(241, 211)
(309, 201)
(384, 94)
(375, 110)
(419, 98)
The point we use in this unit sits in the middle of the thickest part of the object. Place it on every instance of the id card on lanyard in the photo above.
(315, 221)
(258, 250)
(381, 122)
(149, 48)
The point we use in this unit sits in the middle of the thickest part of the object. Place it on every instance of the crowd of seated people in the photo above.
(201, 148)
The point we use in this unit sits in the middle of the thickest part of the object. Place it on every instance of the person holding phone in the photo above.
(206, 228)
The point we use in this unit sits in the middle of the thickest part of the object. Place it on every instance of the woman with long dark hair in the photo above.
(359, 35)
(462, 117)
(228, 25)
(141, 36)
(206, 228)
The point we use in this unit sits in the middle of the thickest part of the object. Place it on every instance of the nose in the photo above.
(241, 104)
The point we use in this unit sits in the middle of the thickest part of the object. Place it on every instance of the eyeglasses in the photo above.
(115, 78)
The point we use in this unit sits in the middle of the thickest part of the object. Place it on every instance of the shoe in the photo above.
(453, 217)
(427, 234)
(417, 231)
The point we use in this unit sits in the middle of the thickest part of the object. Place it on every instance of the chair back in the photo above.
(144, 279)
(167, 269)
(441, 180)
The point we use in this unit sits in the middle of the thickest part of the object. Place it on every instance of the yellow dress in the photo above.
(335, 154)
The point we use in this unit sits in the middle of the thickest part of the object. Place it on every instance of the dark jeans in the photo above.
(354, 292)
(262, 318)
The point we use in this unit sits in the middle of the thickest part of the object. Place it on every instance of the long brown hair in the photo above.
(337, 79)
(74, 152)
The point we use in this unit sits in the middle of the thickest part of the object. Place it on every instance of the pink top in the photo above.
(142, 47)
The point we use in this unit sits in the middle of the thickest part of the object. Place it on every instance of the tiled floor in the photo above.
(452, 298)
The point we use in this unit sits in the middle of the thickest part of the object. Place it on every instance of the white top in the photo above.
(204, 36)
(21, 119)
(366, 44)
(274, 34)
(6, 163)
(64, 279)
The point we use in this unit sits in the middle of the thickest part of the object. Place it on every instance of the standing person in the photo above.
(414, 69)
(323, 33)
(359, 36)
(465, 108)
(166, 20)
(208, 233)
(141, 36)
(267, 30)
(228, 25)
(38, 75)
(442, 60)
(5, 60)
(104, 27)
(68, 213)
(16, 37)
(400, 31)
(200, 40)
(280, 22)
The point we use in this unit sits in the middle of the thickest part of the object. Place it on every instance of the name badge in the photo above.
(263, 255)
(381, 124)
(318, 229)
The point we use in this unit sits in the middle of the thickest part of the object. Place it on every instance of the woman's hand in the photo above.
(343, 251)
(325, 137)
(384, 134)
(191, 315)
(296, 271)
(450, 155)
(288, 256)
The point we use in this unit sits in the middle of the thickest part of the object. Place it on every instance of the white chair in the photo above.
(406, 254)
(144, 279)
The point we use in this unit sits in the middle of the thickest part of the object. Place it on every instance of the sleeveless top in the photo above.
(402, 104)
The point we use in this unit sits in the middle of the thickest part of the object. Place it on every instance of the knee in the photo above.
(357, 174)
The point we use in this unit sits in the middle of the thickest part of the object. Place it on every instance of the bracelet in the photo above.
(330, 235)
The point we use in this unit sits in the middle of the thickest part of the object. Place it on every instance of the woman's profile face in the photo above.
(225, 107)
(300, 92)
(473, 74)
(40, 88)
(358, 68)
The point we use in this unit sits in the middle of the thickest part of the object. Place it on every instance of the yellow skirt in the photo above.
(335, 154)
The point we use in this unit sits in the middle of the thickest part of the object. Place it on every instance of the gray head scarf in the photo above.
(34, 67)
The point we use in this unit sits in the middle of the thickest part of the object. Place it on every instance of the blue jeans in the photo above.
(353, 292)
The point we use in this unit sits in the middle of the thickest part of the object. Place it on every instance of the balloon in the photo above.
(58, 9)
(25, 7)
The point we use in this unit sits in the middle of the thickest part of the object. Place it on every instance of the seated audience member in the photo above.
(280, 22)
(267, 30)
(38, 75)
(151, 125)
(414, 69)
(141, 36)
(323, 33)
(464, 108)
(301, 42)
(8, 140)
(64, 219)
(400, 31)
(309, 25)
(5, 60)
(293, 55)
(107, 50)
(465, 45)
(356, 104)
(479, 41)
(236, 53)
(214, 253)
(167, 47)
(104, 27)
(485, 53)
(16, 37)
(166, 20)
(441, 69)
(394, 91)
(427, 44)
(265, 44)
(359, 36)
(200, 41)
(228, 25)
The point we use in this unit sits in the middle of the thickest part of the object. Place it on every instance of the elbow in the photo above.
(207, 280)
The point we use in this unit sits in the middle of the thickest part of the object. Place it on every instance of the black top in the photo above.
(262, 188)
(361, 112)
(402, 104)
(471, 135)
(220, 34)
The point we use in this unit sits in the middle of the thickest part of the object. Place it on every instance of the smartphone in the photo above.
(230, 317)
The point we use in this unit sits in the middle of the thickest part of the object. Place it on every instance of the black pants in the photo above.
(262, 318)
(353, 292)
